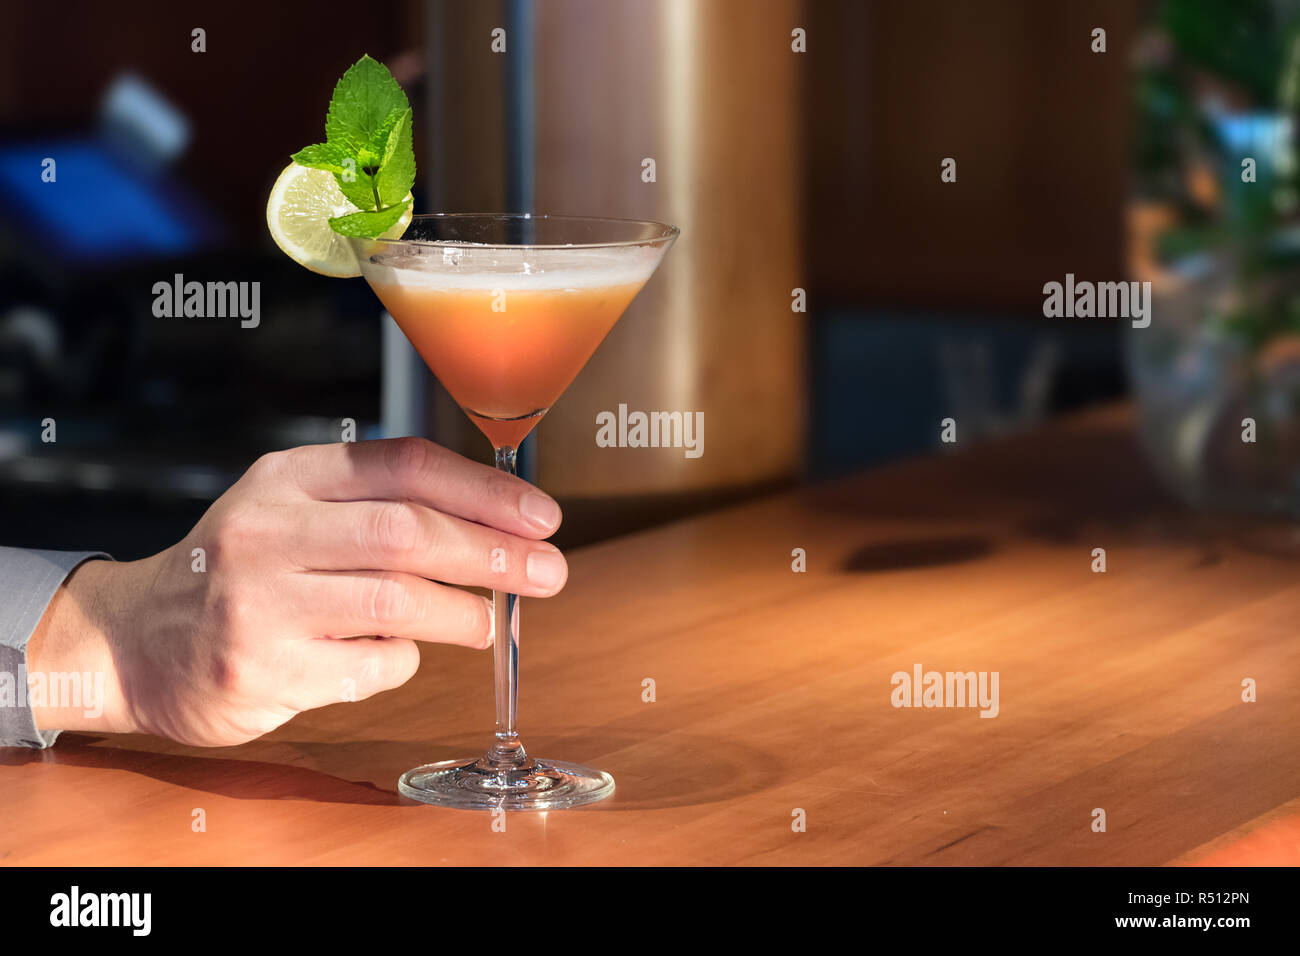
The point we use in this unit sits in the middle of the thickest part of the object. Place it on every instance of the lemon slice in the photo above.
(303, 200)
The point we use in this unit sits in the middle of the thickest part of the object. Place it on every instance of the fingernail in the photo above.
(539, 510)
(546, 570)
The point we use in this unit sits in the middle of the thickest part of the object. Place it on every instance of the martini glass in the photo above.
(505, 310)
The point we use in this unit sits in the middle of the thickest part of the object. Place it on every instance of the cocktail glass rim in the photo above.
(665, 232)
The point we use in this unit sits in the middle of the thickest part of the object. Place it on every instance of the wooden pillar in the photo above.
(710, 92)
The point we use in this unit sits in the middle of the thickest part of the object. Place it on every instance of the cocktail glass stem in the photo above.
(507, 753)
(506, 777)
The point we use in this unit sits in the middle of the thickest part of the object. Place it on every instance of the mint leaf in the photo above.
(379, 139)
(396, 173)
(362, 101)
(368, 225)
(369, 157)
(359, 188)
(349, 171)
(325, 156)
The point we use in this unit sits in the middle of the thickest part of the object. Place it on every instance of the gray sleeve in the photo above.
(28, 582)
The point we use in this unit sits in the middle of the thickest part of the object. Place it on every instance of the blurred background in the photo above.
(831, 298)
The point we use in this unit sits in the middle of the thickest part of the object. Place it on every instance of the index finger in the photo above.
(413, 469)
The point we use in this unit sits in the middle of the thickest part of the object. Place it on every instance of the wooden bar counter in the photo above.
(1120, 691)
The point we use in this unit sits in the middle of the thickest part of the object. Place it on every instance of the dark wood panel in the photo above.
(1038, 124)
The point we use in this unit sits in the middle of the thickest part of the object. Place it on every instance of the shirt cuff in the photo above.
(28, 582)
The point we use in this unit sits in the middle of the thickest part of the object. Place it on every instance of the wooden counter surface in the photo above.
(1120, 691)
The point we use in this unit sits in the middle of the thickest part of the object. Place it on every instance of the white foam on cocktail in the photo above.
(469, 267)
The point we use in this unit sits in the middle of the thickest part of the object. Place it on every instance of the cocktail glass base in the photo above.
(544, 785)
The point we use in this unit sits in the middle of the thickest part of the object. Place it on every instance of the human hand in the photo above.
(311, 546)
